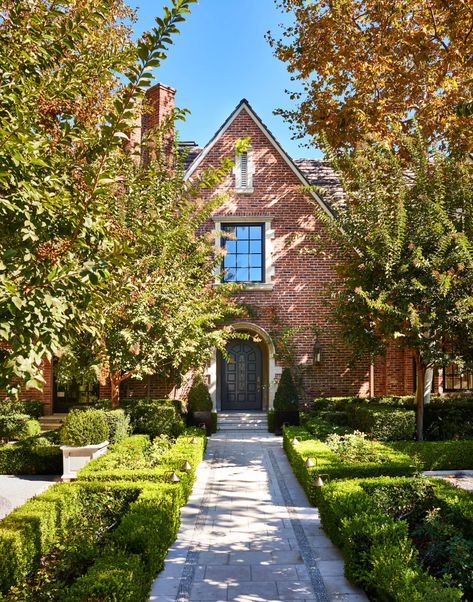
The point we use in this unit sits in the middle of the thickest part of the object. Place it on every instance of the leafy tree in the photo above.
(410, 279)
(70, 79)
(162, 313)
(367, 64)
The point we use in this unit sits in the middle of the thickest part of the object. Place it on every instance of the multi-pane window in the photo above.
(244, 246)
(456, 380)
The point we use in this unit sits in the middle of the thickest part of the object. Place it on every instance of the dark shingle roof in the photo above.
(319, 172)
(190, 151)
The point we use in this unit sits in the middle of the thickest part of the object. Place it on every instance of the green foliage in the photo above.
(383, 423)
(84, 427)
(199, 399)
(115, 578)
(391, 418)
(438, 455)
(321, 428)
(125, 528)
(271, 426)
(36, 455)
(67, 105)
(151, 417)
(354, 447)
(214, 419)
(388, 461)
(365, 518)
(286, 397)
(411, 280)
(392, 459)
(14, 426)
(118, 425)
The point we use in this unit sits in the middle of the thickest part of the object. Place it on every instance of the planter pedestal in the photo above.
(74, 458)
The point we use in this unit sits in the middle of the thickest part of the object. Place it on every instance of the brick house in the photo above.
(266, 226)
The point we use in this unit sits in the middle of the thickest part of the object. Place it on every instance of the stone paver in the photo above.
(15, 490)
(249, 534)
(459, 478)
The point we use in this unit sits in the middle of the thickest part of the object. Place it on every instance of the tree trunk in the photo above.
(420, 385)
(115, 389)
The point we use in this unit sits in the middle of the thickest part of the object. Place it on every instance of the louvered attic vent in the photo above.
(244, 170)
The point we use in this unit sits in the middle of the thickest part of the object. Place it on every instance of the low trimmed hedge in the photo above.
(328, 463)
(33, 460)
(438, 455)
(171, 461)
(403, 458)
(133, 552)
(392, 418)
(378, 552)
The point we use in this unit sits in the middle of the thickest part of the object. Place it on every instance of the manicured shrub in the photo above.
(387, 418)
(214, 419)
(437, 455)
(286, 398)
(382, 423)
(118, 425)
(126, 561)
(379, 554)
(271, 425)
(328, 463)
(16, 426)
(321, 428)
(33, 407)
(118, 577)
(199, 399)
(448, 418)
(84, 427)
(157, 510)
(30, 459)
(151, 417)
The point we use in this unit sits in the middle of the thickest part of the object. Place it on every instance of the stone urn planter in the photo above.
(74, 458)
(84, 436)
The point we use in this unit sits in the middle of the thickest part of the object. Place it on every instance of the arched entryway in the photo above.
(217, 372)
(241, 376)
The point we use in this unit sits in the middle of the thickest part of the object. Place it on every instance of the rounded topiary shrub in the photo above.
(84, 427)
(286, 398)
(199, 397)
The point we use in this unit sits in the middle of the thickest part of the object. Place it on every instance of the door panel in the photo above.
(241, 377)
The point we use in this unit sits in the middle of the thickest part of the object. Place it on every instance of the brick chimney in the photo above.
(156, 107)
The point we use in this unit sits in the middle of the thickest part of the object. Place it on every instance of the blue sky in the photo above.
(219, 58)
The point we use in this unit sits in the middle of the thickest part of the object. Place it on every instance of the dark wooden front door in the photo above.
(241, 376)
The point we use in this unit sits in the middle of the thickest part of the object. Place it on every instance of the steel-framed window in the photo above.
(244, 247)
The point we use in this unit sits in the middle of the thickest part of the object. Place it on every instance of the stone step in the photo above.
(51, 423)
(237, 421)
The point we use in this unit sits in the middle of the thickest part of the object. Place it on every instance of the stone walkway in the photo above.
(249, 534)
(15, 490)
(459, 478)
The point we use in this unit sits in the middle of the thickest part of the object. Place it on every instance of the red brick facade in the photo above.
(298, 290)
(303, 281)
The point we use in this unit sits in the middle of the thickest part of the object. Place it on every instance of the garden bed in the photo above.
(403, 537)
(103, 537)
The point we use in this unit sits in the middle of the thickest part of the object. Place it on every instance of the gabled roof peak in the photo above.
(244, 104)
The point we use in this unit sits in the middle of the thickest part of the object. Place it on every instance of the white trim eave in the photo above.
(244, 105)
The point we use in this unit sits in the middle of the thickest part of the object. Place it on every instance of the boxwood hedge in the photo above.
(133, 552)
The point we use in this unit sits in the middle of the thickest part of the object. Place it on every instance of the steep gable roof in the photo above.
(244, 105)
